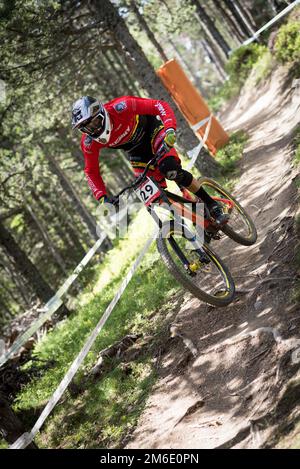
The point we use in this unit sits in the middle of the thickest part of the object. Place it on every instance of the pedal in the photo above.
(207, 237)
(204, 259)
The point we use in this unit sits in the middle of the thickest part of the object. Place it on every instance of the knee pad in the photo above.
(172, 170)
(184, 178)
(169, 167)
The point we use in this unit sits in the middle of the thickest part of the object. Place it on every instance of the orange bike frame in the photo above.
(185, 211)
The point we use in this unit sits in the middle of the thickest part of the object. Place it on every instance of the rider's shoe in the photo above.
(218, 214)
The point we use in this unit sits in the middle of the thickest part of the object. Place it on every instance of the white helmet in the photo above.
(90, 117)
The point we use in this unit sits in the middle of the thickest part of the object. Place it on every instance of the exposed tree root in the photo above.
(174, 331)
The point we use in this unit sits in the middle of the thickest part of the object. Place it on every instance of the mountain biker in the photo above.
(142, 127)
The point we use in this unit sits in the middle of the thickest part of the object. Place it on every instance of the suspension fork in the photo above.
(171, 240)
(179, 252)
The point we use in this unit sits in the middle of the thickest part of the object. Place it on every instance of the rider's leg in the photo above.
(170, 167)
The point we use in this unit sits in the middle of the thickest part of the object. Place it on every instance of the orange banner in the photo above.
(191, 104)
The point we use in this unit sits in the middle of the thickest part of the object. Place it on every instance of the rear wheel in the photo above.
(240, 226)
(209, 279)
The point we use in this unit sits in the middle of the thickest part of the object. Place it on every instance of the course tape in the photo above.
(25, 439)
(52, 305)
(194, 153)
(272, 21)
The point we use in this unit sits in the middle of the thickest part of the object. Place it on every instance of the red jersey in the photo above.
(124, 113)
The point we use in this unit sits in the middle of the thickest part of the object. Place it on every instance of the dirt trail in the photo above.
(234, 392)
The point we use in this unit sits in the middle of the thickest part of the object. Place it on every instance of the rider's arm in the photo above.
(154, 107)
(91, 151)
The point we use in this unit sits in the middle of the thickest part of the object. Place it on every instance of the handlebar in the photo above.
(140, 178)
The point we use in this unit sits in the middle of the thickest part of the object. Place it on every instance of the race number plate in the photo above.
(148, 192)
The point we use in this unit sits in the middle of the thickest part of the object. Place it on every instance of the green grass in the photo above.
(239, 66)
(229, 89)
(251, 64)
(261, 70)
(242, 60)
(296, 144)
(287, 44)
(103, 415)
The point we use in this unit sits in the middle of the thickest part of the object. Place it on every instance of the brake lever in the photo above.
(163, 151)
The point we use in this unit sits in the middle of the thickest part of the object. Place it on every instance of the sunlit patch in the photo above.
(264, 312)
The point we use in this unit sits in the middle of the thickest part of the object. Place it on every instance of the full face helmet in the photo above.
(90, 117)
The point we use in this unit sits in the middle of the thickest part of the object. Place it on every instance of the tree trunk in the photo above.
(244, 17)
(17, 281)
(243, 27)
(144, 27)
(232, 26)
(46, 238)
(8, 291)
(213, 47)
(66, 229)
(236, 21)
(180, 56)
(214, 59)
(139, 64)
(123, 66)
(247, 15)
(26, 268)
(125, 89)
(5, 311)
(71, 193)
(74, 149)
(207, 165)
(59, 223)
(10, 425)
(210, 25)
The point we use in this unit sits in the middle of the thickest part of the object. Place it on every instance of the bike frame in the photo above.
(181, 206)
(190, 214)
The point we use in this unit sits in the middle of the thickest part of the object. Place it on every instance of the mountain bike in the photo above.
(188, 256)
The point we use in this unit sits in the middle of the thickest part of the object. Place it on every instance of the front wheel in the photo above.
(240, 226)
(210, 281)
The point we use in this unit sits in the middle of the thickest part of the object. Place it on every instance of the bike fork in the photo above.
(179, 253)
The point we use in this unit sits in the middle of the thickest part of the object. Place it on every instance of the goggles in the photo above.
(94, 127)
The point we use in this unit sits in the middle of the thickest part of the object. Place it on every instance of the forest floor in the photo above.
(240, 388)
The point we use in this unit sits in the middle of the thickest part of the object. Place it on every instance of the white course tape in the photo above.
(194, 153)
(272, 21)
(200, 124)
(25, 439)
(52, 305)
